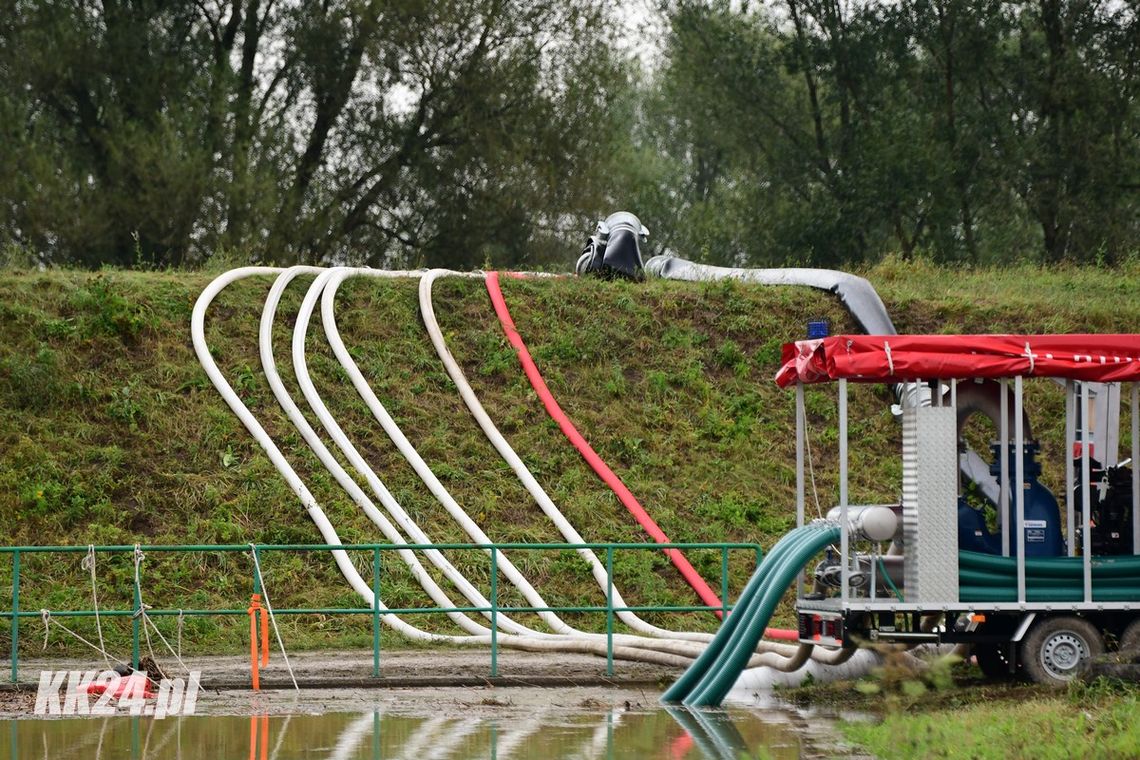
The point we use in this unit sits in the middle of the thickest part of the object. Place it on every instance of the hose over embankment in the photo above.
(854, 292)
(688, 572)
(712, 675)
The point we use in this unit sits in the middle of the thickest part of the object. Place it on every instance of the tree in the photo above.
(378, 131)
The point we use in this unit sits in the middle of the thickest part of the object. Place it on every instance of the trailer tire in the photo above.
(993, 660)
(1058, 649)
(1130, 638)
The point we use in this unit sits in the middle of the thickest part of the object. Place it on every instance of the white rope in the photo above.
(177, 657)
(811, 469)
(88, 563)
(272, 618)
(890, 359)
(45, 615)
(141, 611)
(181, 619)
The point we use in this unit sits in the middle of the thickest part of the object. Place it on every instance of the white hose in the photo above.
(269, 366)
(626, 647)
(329, 282)
(328, 533)
(545, 503)
(784, 657)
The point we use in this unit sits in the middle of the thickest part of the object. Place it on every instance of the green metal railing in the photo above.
(15, 613)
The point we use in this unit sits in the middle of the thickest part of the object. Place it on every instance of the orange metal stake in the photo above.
(254, 608)
(264, 638)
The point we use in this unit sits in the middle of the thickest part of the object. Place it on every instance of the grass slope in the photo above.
(111, 433)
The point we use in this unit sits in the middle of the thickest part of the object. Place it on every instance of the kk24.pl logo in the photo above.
(94, 692)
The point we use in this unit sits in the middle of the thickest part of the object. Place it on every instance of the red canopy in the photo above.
(880, 358)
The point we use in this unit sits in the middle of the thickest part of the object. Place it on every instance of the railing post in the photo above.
(256, 575)
(609, 610)
(723, 582)
(136, 619)
(376, 612)
(15, 616)
(494, 612)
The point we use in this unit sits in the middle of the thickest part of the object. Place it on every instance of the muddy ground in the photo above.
(419, 682)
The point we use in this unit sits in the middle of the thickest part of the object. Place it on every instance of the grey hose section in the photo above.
(855, 292)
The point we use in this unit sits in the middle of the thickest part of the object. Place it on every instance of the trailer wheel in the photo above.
(993, 660)
(1130, 639)
(1058, 649)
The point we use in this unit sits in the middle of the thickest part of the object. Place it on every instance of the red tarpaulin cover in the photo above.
(893, 358)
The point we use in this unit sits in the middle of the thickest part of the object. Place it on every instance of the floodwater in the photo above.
(490, 729)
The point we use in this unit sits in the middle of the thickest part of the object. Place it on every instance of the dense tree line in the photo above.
(965, 130)
(459, 132)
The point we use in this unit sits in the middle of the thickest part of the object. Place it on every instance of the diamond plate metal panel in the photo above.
(930, 499)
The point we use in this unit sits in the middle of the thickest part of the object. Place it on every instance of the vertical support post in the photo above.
(801, 421)
(874, 561)
(376, 612)
(843, 538)
(1003, 459)
(609, 610)
(1086, 500)
(15, 618)
(1135, 465)
(1019, 470)
(136, 619)
(954, 406)
(1070, 474)
(256, 574)
(723, 582)
(494, 612)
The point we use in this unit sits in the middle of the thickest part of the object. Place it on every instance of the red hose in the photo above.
(688, 572)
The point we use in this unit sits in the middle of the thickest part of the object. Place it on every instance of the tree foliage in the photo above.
(968, 130)
(369, 131)
(459, 132)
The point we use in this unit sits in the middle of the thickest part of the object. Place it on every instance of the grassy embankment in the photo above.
(111, 433)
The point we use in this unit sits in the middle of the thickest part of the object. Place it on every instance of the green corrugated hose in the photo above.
(712, 675)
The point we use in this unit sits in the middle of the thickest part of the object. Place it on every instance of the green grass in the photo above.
(1088, 722)
(111, 433)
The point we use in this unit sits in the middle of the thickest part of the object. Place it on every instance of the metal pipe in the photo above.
(1019, 469)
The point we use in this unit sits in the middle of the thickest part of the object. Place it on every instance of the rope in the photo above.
(272, 618)
(177, 657)
(181, 620)
(88, 563)
(811, 469)
(45, 615)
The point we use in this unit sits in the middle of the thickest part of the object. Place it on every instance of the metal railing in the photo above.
(14, 614)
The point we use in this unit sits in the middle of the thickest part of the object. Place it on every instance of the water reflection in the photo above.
(669, 734)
